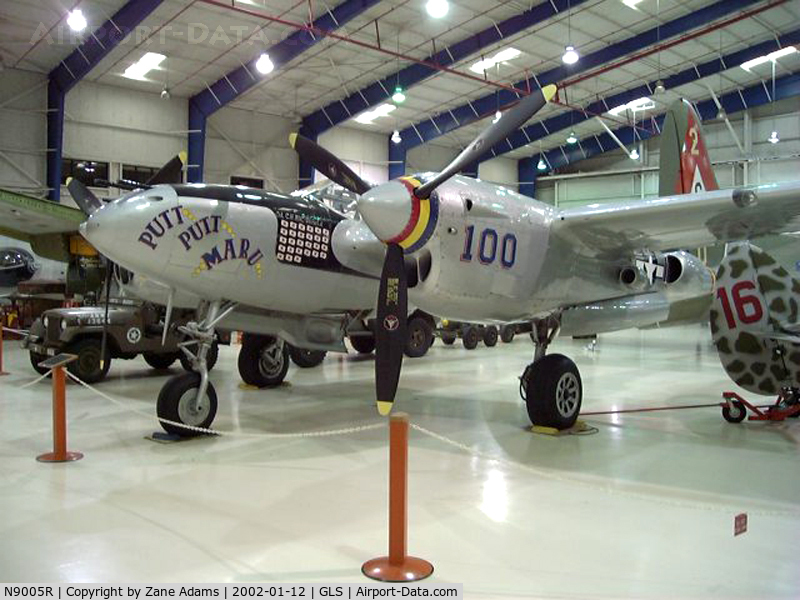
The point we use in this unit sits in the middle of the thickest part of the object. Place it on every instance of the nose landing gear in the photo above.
(189, 399)
(551, 385)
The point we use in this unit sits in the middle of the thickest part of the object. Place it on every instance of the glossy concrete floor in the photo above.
(643, 508)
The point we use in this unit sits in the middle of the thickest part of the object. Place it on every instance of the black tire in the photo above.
(160, 361)
(553, 391)
(490, 335)
(363, 344)
(259, 364)
(36, 358)
(418, 337)
(87, 366)
(507, 334)
(449, 337)
(470, 337)
(176, 403)
(211, 357)
(737, 415)
(306, 359)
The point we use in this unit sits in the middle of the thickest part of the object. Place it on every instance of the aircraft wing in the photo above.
(683, 221)
(45, 225)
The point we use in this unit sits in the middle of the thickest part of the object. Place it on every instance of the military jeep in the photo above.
(133, 329)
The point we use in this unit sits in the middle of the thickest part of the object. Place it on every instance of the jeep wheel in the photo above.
(88, 367)
(160, 361)
(36, 358)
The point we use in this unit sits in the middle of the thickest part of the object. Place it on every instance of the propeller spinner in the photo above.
(399, 213)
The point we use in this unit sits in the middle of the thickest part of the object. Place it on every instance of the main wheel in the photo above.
(363, 344)
(418, 337)
(470, 337)
(160, 361)
(36, 358)
(553, 391)
(449, 337)
(87, 366)
(211, 357)
(490, 336)
(263, 361)
(735, 413)
(507, 334)
(305, 359)
(177, 402)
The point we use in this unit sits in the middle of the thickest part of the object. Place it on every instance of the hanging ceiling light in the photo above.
(396, 138)
(571, 138)
(570, 56)
(497, 116)
(634, 154)
(398, 95)
(76, 20)
(437, 8)
(773, 138)
(660, 89)
(542, 166)
(721, 115)
(264, 64)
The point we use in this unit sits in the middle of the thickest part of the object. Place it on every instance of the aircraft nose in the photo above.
(388, 209)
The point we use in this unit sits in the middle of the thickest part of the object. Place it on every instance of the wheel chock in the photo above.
(247, 387)
(162, 437)
(579, 428)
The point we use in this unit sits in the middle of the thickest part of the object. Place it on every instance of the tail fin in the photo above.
(685, 166)
(755, 320)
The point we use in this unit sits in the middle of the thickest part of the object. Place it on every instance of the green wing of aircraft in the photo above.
(45, 225)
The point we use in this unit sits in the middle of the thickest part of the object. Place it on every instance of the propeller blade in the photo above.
(390, 328)
(172, 172)
(327, 164)
(511, 120)
(83, 196)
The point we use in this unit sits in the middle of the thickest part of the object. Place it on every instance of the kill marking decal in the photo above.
(304, 241)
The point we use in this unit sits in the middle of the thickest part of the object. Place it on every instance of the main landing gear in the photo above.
(189, 400)
(551, 385)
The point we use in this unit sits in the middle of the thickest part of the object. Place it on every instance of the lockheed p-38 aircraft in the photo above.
(458, 246)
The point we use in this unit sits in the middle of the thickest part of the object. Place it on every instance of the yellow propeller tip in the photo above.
(183, 156)
(384, 408)
(292, 139)
(68, 180)
(549, 91)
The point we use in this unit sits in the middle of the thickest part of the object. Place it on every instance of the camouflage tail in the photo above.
(685, 166)
(754, 320)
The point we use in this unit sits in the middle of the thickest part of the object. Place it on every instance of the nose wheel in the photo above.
(189, 400)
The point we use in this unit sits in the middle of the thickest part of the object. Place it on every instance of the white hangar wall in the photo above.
(365, 152)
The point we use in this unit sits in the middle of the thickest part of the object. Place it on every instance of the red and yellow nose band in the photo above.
(424, 216)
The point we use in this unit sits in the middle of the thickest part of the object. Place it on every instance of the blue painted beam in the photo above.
(237, 82)
(75, 67)
(380, 91)
(445, 122)
(732, 102)
(568, 119)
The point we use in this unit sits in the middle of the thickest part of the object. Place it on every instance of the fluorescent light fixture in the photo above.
(631, 3)
(643, 103)
(542, 166)
(437, 8)
(76, 20)
(772, 56)
(369, 116)
(144, 65)
(570, 55)
(396, 137)
(571, 138)
(264, 64)
(502, 56)
(398, 95)
(773, 138)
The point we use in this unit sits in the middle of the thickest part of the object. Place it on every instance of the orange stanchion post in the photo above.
(398, 566)
(59, 453)
(2, 370)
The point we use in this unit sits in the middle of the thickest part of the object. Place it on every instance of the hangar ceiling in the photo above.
(205, 39)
